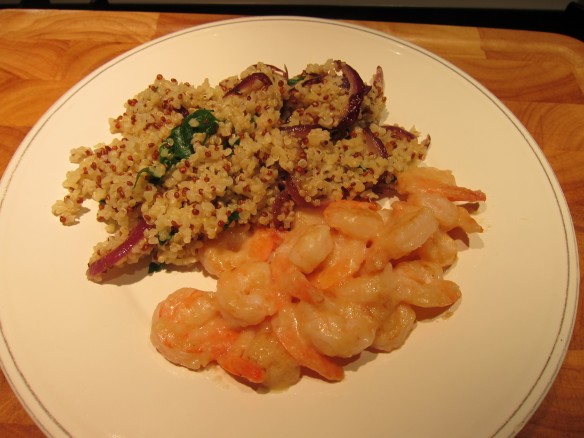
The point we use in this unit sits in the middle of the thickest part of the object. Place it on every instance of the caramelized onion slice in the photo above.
(291, 192)
(399, 132)
(313, 80)
(356, 95)
(101, 265)
(255, 81)
(374, 144)
(279, 71)
(378, 80)
(299, 131)
(278, 207)
(293, 188)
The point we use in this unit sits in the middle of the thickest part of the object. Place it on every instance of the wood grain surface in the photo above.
(539, 76)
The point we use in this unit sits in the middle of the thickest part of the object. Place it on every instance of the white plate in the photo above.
(78, 354)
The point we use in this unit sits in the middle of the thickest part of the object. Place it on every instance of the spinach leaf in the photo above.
(164, 238)
(227, 145)
(178, 145)
(155, 267)
(293, 81)
(207, 122)
(231, 218)
(152, 177)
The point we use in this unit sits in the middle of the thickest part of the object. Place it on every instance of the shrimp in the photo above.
(262, 347)
(437, 190)
(290, 281)
(245, 295)
(344, 260)
(435, 181)
(395, 328)
(358, 220)
(237, 361)
(355, 224)
(188, 330)
(286, 327)
(235, 246)
(466, 222)
(368, 289)
(308, 216)
(376, 259)
(449, 215)
(346, 322)
(345, 279)
(440, 248)
(336, 328)
(421, 283)
(446, 211)
(311, 248)
(298, 255)
(407, 230)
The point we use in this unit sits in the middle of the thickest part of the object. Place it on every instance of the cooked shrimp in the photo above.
(440, 248)
(358, 220)
(421, 283)
(293, 258)
(346, 322)
(308, 216)
(449, 215)
(337, 328)
(357, 225)
(188, 330)
(436, 181)
(235, 246)
(446, 211)
(466, 222)
(237, 362)
(245, 295)
(408, 230)
(311, 247)
(395, 328)
(344, 260)
(346, 278)
(367, 289)
(286, 327)
(376, 259)
(263, 348)
(290, 281)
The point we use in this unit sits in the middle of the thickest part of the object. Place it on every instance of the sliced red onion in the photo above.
(183, 111)
(291, 192)
(356, 95)
(101, 265)
(312, 81)
(299, 131)
(278, 207)
(400, 133)
(378, 80)
(279, 70)
(374, 144)
(250, 83)
(293, 188)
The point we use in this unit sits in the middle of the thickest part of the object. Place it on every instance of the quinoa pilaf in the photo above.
(190, 161)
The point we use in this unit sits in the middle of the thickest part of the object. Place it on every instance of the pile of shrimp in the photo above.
(348, 277)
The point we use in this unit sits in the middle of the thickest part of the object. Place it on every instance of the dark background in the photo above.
(568, 21)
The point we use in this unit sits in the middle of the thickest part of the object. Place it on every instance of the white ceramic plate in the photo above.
(78, 354)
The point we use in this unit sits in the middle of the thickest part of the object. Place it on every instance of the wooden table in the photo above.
(539, 76)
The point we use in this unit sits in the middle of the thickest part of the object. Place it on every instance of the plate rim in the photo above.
(546, 377)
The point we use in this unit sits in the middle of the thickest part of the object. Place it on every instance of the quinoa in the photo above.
(260, 144)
